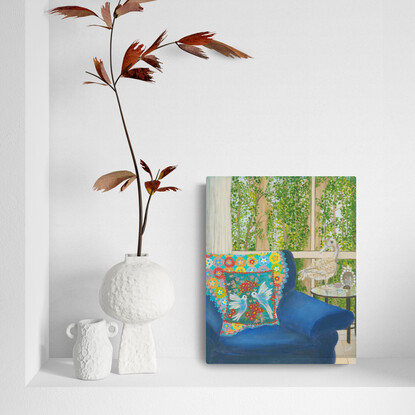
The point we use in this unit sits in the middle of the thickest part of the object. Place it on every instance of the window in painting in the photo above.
(297, 213)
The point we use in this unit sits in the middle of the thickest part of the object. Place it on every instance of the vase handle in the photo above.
(68, 330)
(114, 332)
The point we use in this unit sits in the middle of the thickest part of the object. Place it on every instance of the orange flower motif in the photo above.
(240, 262)
(212, 283)
(252, 261)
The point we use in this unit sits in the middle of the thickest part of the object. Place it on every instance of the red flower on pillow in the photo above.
(218, 273)
(277, 279)
(229, 262)
(248, 285)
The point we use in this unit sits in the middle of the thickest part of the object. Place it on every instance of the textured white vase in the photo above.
(92, 352)
(136, 292)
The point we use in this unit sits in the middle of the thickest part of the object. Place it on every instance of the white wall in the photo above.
(37, 187)
(12, 202)
(330, 91)
(319, 98)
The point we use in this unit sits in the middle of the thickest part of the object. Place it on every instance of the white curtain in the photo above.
(218, 215)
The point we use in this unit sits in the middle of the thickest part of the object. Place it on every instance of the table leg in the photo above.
(326, 299)
(348, 309)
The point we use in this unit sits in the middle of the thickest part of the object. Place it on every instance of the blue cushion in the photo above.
(267, 338)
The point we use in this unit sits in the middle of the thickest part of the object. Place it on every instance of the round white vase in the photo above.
(92, 352)
(136, 292)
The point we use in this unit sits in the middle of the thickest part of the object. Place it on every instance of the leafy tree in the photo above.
(288, 215)
(338, 211)
(289, 198)
(245, 198)
(337, 219)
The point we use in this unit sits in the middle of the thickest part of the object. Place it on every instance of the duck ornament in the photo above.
(325, 268)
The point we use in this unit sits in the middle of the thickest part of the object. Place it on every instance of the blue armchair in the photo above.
(307, 332)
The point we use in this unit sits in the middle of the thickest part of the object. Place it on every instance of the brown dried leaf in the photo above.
(166, 171)
(152, 186)
(72, 11)
(128, 7)
(194, 50)
(226, 50)
(201, 38)
(111, 180)
(152, 61)
(127, 183)
(167, 189)
(102, 73)
(106, 14)
(156, 43)
(132, 55)
(143, 74)
(146, 168)
(99, 25)
(90, 82)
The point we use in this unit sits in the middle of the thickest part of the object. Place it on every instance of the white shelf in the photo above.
(391, 372)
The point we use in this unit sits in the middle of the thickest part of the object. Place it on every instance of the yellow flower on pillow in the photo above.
(220, 292)
(274, 258)
(277, 267)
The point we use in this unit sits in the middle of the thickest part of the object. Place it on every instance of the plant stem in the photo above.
(148, 202)
(167, 44)
(140, 198)
(102, 80)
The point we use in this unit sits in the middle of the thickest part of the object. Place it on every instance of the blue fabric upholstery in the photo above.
(307, 332)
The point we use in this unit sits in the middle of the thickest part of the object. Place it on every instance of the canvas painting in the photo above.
(281, 270)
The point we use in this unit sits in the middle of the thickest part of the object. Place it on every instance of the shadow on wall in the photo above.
(201, 193)
(80, 295)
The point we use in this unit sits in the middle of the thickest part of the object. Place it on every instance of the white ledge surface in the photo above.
(180, 372)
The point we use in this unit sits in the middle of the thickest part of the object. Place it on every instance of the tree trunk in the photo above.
(262, 243)
(284, 234)
(248, 233)
(238, 227)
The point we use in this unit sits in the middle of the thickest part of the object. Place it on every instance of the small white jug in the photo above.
(92, 352)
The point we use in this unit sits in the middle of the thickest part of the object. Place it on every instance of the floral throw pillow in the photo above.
(255, 276)
(251, 298)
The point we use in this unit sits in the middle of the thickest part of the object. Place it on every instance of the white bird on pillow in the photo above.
(238, 303)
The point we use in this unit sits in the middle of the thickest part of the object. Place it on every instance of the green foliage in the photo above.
(338, 211)
(289, 198)
(289, 201)
(245, 195)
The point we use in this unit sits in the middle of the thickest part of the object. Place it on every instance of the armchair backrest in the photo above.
(292, 272)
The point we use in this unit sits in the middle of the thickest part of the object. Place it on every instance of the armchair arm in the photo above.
(310, 316)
